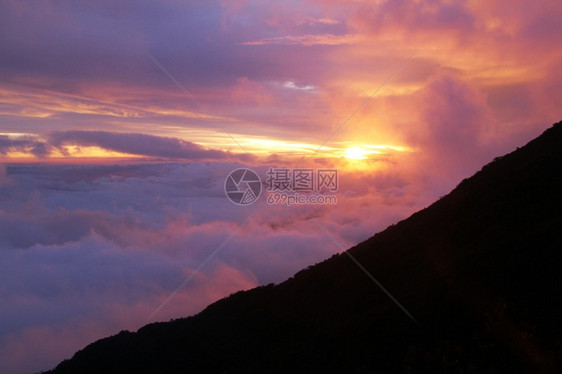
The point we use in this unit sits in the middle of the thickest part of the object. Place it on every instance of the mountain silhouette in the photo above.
(478, 272)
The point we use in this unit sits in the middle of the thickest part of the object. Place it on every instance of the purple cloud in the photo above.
(88, 250)
(24, 144)
(136, 144)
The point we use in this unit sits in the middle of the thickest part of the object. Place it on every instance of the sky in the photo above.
(121, 120)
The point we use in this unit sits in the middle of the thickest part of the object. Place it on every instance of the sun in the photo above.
(355, 153)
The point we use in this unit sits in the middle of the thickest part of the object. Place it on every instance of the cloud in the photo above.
(67, 296)
(3, 175)
(149, 146)
(24, 144)
(306, 40)
(407, 16)
(90, 80)
(455, 125)
(136, 144)
(89, 250)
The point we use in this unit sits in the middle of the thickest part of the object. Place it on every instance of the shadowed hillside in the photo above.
(479, 270)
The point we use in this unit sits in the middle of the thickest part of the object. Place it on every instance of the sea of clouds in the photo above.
(89, 250)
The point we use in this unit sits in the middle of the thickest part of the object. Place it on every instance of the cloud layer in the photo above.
(88, 250)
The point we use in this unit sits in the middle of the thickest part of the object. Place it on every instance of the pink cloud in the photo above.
(38, 348)
(247, 91)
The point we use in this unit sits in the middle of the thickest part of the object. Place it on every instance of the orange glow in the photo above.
(89, 152)
(70, 153)
(356, 153)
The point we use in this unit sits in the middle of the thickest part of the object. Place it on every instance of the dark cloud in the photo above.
(136, 144)
(128, 143)
(23, 144)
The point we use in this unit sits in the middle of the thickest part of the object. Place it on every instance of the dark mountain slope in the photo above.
(479, 270)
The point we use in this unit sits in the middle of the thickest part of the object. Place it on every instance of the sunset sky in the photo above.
(120, 120)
